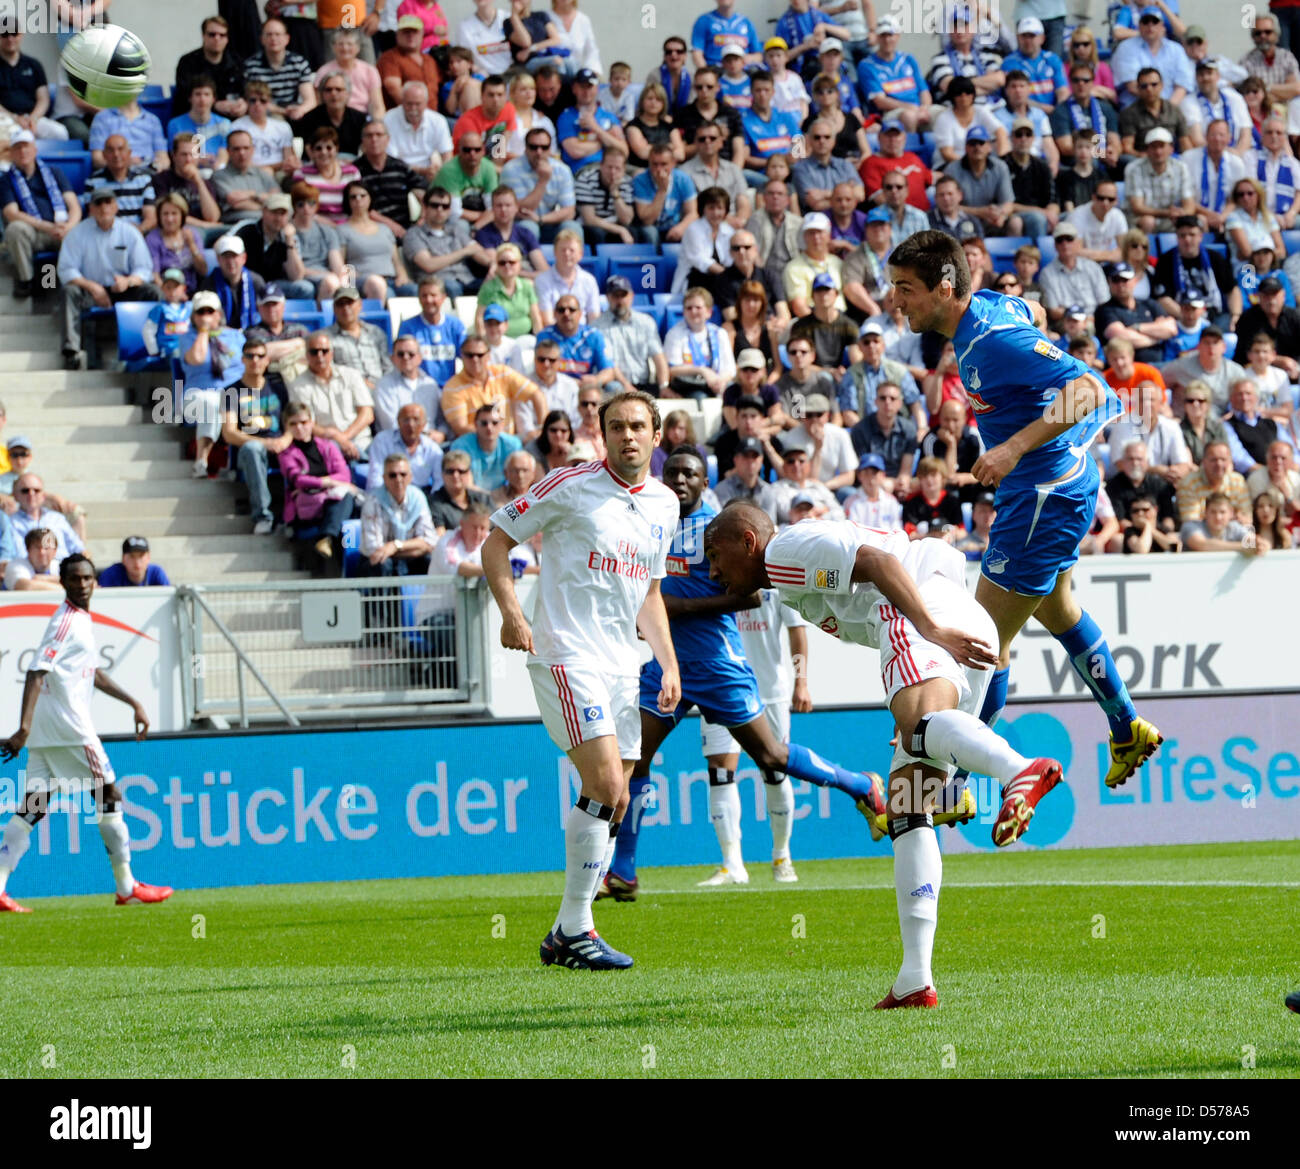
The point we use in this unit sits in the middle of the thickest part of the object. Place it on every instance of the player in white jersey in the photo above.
(782, 685)
(607, 527)
(907, 599)
(64, 753)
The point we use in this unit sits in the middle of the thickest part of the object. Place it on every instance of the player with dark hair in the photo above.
(908, 599)
(1039, 410)
(63, 751)
(715, 677)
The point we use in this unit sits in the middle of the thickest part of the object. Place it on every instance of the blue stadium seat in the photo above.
(672, 315)
(297, 310)
(210, 256)
(327, 313)
(653, 274)
(656, 312)
(1047, 246)
(370, 305)
(671, 250)
(159, 103)
(1291, 241)
(626, 251)
(351, 537)
(380, 318)
(1166, 241)
(74, 166)
(922, 146)
(548, 250)
(131, 316)
(1220, 249)
(46, 146)
(598, 266)
(1006, 245)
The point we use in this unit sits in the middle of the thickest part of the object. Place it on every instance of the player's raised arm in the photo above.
(10, 747)
(652, 621)
(113, 690)
(1075, 402)
(872, 566)
(515, 631)
(709, 606)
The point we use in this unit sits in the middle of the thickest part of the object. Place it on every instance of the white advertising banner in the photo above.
(138, 643)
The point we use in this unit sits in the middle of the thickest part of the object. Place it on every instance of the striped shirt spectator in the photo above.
(134, 191)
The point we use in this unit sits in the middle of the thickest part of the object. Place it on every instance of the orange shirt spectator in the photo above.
(331, 13)
(480, 383)
(1124, 386)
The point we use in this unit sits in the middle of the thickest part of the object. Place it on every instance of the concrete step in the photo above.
(123, 522)
(209, 569)
(115, 416)
(47, 360)
(206, 494)
(17, 396)
(158, 462)
(95, 498)
(36, 335)
(63, 379)
(88, 439)
(184, 546)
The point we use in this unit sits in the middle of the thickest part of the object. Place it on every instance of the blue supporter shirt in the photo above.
(36, 188)
(796, 27)
(566, 127)
(144, 134)
(1011, 372)
(1045, 72)
(439, 344)
(583, 353)
(114, 577)
(680, 190)
(713, 32)
(735, 92)
(775, 136)
(847, 88)
(900, 79)
(712, 638)
(211, 135)
(489, 469)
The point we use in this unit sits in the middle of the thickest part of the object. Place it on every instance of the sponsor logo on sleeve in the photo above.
(1048, 350)
(826, 579)
(517, 508)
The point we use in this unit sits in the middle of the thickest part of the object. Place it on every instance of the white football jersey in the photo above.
(762, 632)
(811, 563)
(68, 660)
(604, 542)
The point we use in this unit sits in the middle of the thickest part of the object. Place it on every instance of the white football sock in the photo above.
(609, 852)
(112, 827)
(957, 737)
(918, 873)
(780, 814)
(586, 837)
(724, 812)
(17, 836)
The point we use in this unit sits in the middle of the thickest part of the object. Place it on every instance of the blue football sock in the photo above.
(1090, 655)
(806, 764)
(623, 865)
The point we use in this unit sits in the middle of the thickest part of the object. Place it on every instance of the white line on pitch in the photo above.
(1009, 885)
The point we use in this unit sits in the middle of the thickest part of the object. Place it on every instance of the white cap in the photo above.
(887, 24)
(229, 245)
(1159, 134)
(21, 136)
(732, 50)
(831, 45)
(1030, 24)
(817, 222)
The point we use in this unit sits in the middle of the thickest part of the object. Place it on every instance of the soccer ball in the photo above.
(107, 65)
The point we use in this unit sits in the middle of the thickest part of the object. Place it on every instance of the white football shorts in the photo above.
(907, 659)
(716, 740)
(68, 769)
(578, 704)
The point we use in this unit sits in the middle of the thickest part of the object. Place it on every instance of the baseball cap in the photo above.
(1030, 24)
(1193, 301)
(977, 134)
(1207, 63)
(817, 404)
(831, 45)
(823, 280)
(495, 312)
(871, 462)
(1196, 32)
(815, 222)
(279, 202)
(1076, 312)
(794, 447)
(1270, 284)
(871, 329)
(1151, 12)
(887, 24)
(1158, 134)
(986, 497)
(348, 292)
(273, 294)
(774, 43)
(893, 122)
(750, 401)
(410, 20)
(749, 446)
(1119, 272)
(585, 77)
(751, 359)
(173, 276)
(1264, 245)
(1065, 230)
(1022, 124)
(734, 50)
(21, 136)
(204, 300)
(229, 245)
(102, 194)
(879, 215)
(134, 544)
(802, 499)
(19, 442)
(618, 284)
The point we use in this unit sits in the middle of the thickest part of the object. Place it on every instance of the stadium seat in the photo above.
(672, 314)
(673, 250)
(626, 251)
(381, 319)
(402, 308)
(1006, 245)
(1047, 246)
(131, 316)
(47, 146)
(370, 305)
(1218, 249)
(465, 307)
(548, 250)
(922, 146)
(1290, 241)
(1166, 241)
(159, 106)
(713, 470)
(653, 274)
(351, 536)
(327, 313)
(297, 310)
(210, 256)
(711, 418)
(598, 266)
(74, 165)
(1229, 344)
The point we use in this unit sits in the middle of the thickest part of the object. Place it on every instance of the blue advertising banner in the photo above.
(346, 805)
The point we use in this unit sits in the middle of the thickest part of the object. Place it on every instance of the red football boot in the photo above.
(927, 996)
(1020, 797)
(144, 894)
(9, 905)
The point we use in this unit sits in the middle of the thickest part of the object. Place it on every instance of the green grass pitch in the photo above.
(1130, 962)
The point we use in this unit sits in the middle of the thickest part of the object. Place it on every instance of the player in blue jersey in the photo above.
(1038, 411)
(715, 677)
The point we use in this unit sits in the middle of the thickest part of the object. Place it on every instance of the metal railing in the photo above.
(314, 649)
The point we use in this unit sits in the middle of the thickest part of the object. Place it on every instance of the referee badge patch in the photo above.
(827, 579)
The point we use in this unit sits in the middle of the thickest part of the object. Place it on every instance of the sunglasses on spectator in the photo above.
(471, 149)
(325, 349)
(545, 361)
(564, 308)
(674, 52)
(1198, 401)
(251, 354)
(1023, 134)
(406, 353)
(589, 405)
(1149, 84)
(259, 101)
(438, 203)
(31, 491)
(397, 474)
(1106, 198)
(473, 353)
(539, 146)
(895, 186)
(455, 471)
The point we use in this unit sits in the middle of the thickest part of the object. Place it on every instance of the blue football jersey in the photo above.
(1011, 372)
(714, 637)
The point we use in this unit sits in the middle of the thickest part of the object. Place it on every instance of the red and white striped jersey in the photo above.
(603, 542)
(811, 563)
(68, 660)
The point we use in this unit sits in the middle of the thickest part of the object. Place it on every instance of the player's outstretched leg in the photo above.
(17, 836)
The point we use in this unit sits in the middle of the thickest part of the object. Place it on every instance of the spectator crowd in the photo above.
(379, 259)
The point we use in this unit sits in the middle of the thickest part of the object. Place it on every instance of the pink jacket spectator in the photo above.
(305, 498)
